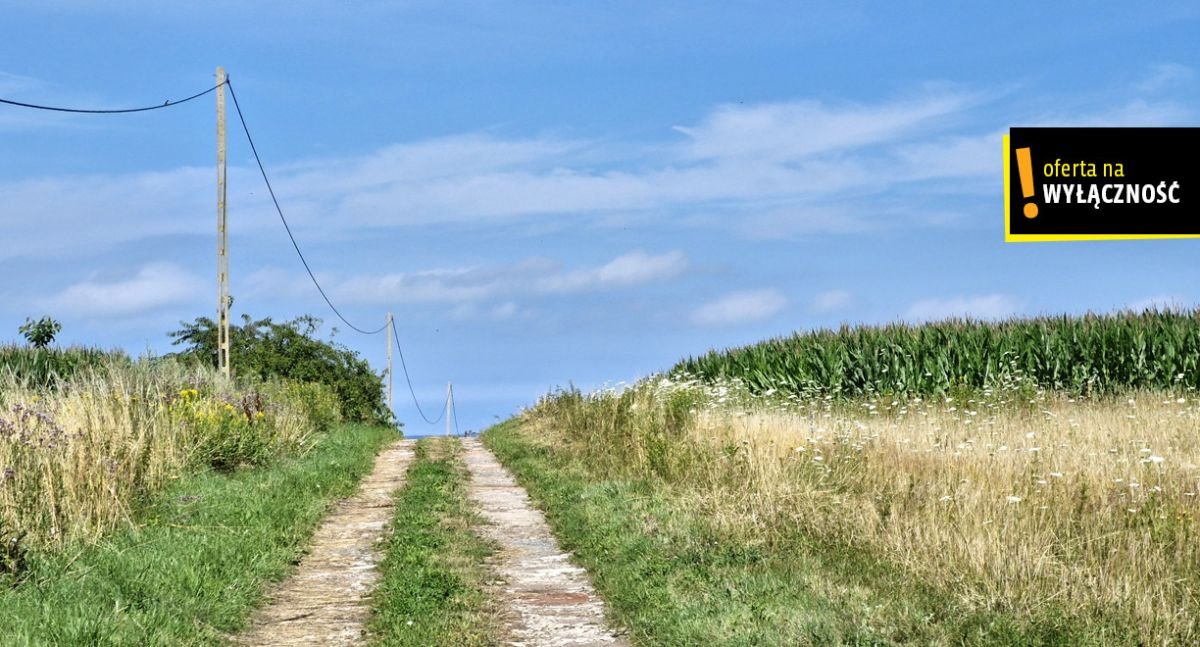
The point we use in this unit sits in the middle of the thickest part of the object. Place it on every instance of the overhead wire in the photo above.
(408, 380)
(283, 219)
(166, 104)
(449, 404)
(279, 210)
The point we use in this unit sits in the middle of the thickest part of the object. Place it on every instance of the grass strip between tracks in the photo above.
(434, 586)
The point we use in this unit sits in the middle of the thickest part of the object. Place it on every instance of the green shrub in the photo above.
(266, 350)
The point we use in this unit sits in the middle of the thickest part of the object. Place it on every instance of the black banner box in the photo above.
(1101, 183)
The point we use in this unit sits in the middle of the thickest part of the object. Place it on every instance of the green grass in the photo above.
(673, 579)
(433, 589)
(196, 565)
(1088, 354)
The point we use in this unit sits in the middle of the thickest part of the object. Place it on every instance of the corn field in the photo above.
(1078, 354)
(44, 367)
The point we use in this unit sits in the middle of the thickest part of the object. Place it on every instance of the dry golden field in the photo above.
(1017, 501)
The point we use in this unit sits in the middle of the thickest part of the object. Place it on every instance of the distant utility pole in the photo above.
(222, 235)
(388, 334)
(449, 404)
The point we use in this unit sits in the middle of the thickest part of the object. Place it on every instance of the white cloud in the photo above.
(154, 286)
(790, 131)
(737, 160)
(12, 83)
(629, 269)
(506, 311)
(1160, 302)
(437, 285)
(832, 301)
(766, 170)
(740, 307)
(101, 211)
(977, 155)
(531, 277)
(428, 160)
(801, 221)
(1135, 113)
(1164, 75)
(991, 306)
(1150, 114)
(24, 88)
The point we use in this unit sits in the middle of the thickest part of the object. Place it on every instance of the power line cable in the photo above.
(286, 227)
(166, 104)
(408, 380)
(454, 412)
(279, 210)
(311, 275)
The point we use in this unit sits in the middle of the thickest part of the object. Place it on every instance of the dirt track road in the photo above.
(550, 602)
(326, 601)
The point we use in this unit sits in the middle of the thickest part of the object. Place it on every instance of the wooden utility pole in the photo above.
(388, 334)
(222, 235)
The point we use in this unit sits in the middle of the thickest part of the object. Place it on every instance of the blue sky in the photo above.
(548, 193)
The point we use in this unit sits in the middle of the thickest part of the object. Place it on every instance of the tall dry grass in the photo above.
(1020, 502)
(76, 460)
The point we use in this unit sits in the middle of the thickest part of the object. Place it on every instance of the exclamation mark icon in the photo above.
(1025, 170)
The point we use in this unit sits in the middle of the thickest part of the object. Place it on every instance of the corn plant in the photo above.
(1077, 354)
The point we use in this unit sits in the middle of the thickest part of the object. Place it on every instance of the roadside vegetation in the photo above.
(150, 501)
(78, 460)
(195, 565)
(263, 349)
(991, 512)
(435, 579)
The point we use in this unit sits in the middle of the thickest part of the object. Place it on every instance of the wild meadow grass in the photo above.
(77, 459)
(198, 562)
(1064, 517)
(151, 502)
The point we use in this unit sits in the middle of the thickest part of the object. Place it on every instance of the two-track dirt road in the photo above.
(547, 600)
